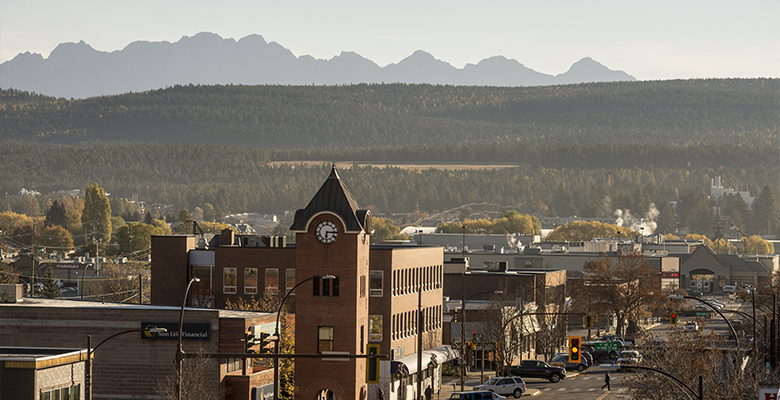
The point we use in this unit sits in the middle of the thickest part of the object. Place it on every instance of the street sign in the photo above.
(608, 346)
(702, 314)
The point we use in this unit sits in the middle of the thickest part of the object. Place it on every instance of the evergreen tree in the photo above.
(96, 216)
(766, 215)
(56, 216)
(51, 290)
(666, 221)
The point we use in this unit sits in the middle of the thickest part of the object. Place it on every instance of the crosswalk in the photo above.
(597, 380)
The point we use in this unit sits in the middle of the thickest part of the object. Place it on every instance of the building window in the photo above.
(229, 278)
(63, 393)
(290, 279)
(374, 328)
(326, 287)
(376, 282)
(250, 280)
(335, 286)
(233, 364)
(271, 281)
(316, 286)
(362, 286)
(325, 342)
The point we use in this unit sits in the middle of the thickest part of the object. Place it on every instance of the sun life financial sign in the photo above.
(190, 331)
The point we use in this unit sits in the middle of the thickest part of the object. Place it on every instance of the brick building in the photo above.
(353, 296)
(135, 364)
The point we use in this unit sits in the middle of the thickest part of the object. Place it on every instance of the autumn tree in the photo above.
(97, 213)
(622, 285)
(9, 273)
(385, 229)
(756, 245)
(56, 238)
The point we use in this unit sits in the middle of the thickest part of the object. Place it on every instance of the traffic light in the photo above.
(372, 367)
(455, 317)
(469, 345)
(588, 322)
(474, 336)
(574, 349)
(249, 341)
(264, 342)
(673, 318)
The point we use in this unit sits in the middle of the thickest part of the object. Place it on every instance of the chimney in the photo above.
(228, 237)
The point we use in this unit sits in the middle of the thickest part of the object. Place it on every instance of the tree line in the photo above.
(741, 112)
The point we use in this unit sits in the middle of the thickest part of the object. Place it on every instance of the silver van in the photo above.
(729, 289)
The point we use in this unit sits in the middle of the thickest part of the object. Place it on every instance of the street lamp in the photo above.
(180, 351)
(93, 351)
(82, 280)
(278, 335)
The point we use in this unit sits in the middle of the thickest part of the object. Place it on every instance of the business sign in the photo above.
(670, 275)
(190, 331)
(67, 266)
(767, 393)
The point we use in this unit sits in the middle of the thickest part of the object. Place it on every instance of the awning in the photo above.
(408, 364)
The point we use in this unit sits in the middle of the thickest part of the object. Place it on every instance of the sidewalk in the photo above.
(451, 384)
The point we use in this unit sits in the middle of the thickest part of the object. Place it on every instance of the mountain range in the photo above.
(76, 70)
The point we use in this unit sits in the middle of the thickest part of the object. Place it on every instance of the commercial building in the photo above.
(351, 297)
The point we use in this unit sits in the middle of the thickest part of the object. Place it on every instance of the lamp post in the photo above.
(278, 335)
(180, 350)
(733, 331)
(82, 280)
(93, 351)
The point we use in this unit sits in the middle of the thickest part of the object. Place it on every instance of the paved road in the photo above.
(585, 385)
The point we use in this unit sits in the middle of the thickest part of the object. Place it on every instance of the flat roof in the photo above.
(77, 303)
(40, 357)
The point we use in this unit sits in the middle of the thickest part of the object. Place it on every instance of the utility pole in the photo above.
(32, 261)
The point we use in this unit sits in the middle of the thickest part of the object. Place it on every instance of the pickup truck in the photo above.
(600, 355)
(536, 369)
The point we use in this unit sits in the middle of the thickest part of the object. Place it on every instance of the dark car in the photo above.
(537, 369)
(588, 357)
(563, 358)
(601, 355)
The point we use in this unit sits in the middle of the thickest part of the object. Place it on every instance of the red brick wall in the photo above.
(347, 258)
(170, 271)
(249, 257)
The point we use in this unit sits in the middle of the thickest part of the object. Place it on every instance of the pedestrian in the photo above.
(606, 382)
(428, 393)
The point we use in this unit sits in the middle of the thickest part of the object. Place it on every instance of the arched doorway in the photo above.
(702, 280)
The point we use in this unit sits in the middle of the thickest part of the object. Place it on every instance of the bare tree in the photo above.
(551, 318)
(120, 283)
(503, 325)
(688, 355)
(200, 381)
(622, 285)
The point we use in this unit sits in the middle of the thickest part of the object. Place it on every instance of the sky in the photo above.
(651, 40)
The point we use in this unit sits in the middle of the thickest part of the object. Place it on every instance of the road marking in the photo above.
(603, 396)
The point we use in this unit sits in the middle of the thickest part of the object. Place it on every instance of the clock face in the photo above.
(326, 232)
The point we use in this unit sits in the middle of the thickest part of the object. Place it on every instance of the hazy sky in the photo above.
(650, 40)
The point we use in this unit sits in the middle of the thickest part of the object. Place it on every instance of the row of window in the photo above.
(63, 393)
(407, 281)
(324, 287)
(405, 324)
(251, 283)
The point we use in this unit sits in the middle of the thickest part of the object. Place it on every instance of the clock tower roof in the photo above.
(333, 196)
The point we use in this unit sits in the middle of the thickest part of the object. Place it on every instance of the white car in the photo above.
(505, 385)
(691, 326)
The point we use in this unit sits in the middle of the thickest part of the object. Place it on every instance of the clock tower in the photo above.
(332, 246)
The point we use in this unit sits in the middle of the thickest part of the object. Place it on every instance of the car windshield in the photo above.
(491, 381)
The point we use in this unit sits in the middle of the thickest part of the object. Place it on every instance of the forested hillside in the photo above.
(563, 180)
(727, 112)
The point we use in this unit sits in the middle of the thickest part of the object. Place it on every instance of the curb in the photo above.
(532, 392)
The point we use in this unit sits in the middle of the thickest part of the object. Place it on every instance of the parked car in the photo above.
(476, 395)
(563, 358)
(601, 355)
(729, 289)
(536, 369)
(588, 357)
(505, 385)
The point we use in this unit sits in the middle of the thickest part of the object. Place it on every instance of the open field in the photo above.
(441, 166)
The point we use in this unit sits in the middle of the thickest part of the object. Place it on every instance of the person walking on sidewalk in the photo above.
(606, 382)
